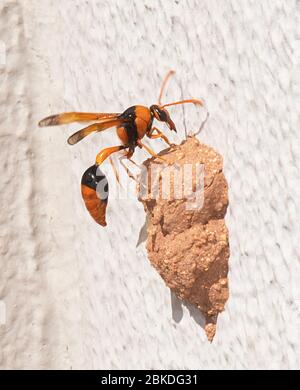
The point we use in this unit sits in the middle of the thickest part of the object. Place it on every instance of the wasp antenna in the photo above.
(194, 101)
(165, 80)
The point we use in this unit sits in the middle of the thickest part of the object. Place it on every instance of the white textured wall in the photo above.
(80, 296)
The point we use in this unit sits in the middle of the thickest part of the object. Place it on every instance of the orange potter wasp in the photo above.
(132, 126)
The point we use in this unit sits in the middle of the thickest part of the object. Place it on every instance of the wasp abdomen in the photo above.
(94, 190)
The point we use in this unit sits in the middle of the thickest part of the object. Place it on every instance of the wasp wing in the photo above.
(69, 117)
(96, 127)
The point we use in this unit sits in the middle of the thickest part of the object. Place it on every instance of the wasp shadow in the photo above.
(143, 233)
(176, 303)
(177, 311)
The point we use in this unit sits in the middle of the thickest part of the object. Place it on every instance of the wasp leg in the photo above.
(133, 162)
(107, 152)
(158, 135)
(116, 173)
(150, 151)
(126, 168)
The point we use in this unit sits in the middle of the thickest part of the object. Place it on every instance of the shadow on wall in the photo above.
(177, 311)
(176, 303)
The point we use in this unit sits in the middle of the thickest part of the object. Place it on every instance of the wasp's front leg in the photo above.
(150, 151)
(158, 135)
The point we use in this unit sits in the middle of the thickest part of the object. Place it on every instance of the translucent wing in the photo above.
(96, 127)
(69, 117)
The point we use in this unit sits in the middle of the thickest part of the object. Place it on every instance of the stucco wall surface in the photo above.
(75, 295)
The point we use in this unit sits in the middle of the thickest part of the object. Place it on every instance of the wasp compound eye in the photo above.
(162, 115)
(94, 190)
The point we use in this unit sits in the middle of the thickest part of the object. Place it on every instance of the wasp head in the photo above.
(161, 114)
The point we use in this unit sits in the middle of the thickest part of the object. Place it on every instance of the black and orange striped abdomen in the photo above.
(94, 190)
